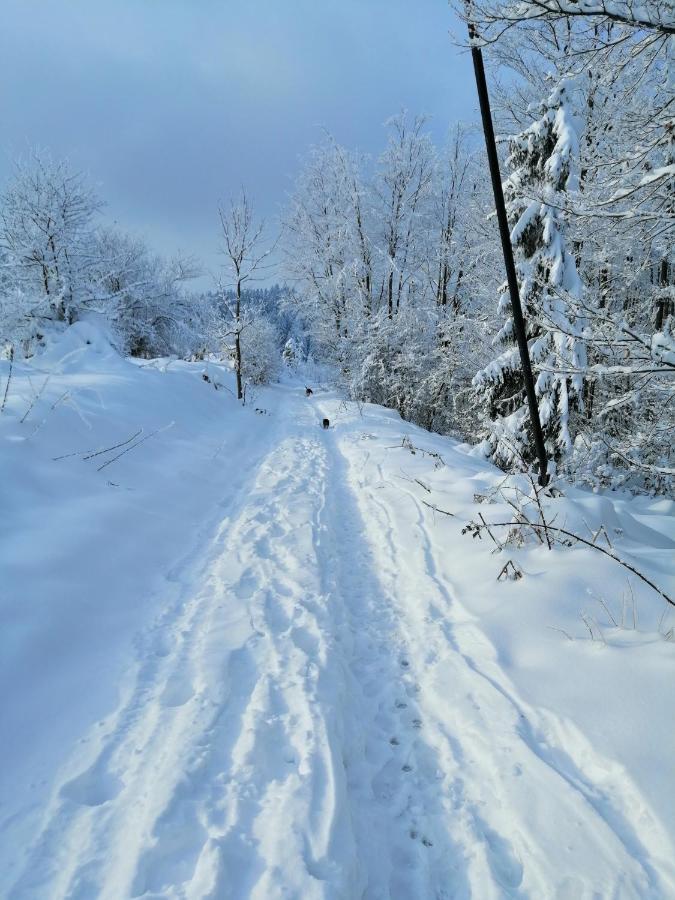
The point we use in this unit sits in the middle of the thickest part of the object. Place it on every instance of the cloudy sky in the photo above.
(170, 105)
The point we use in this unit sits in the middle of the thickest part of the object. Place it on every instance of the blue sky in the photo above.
(173, 104)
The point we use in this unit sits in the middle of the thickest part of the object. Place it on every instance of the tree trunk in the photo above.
(663, 304)
(602, 303)
(237, 343)
(390, 294)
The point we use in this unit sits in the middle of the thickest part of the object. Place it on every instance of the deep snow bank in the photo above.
(610, 688)
(90, 536)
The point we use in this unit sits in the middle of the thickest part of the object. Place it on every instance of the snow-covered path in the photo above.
(317, 715)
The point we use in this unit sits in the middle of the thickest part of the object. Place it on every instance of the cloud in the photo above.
(173, 104)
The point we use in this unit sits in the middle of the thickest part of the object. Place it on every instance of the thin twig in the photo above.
(606, 608)
(68, 455)
(632, 597)
(39, 425)
(406, 477)
(521, 519)
(562, 631)
(133, 446)
(436, 509)
(496, 542)
(9, 378)
(539, 507)
(601, 530)
(663, 616)
(35, 399)
(581, 540)
(590, 630)
(91, 455)
(504, 573)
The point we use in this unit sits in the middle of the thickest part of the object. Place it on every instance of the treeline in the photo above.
(60, 262)
(394, 264)
(392, 260)
(399, 274)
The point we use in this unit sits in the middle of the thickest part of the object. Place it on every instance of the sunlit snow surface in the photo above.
(245, 659)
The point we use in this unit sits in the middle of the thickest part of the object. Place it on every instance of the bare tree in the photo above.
(246, 251)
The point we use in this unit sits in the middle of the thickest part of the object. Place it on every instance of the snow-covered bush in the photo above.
(24, 317)
(260, 357)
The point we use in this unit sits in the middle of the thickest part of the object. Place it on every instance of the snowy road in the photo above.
(317, 715)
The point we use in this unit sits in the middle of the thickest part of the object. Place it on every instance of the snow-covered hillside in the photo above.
(242, 656)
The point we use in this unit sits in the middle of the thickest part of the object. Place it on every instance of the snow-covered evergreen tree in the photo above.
(542, 163)
(290, 353)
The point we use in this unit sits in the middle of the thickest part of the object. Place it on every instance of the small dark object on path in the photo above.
(308, 392)
(325, 424)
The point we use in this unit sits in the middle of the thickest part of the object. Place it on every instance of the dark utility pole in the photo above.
(511, 277)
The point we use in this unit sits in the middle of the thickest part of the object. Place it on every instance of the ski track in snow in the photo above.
(315, 719)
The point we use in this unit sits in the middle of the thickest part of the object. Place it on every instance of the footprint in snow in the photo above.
(92, 788)
(173, 575)
(177, 692)
(163, 645)
(246, 586)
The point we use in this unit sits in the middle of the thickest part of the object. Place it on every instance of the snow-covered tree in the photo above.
(290, 353)
(402, 186)
(60, 263)
(390, 260)
(653, 15)
(261, 360)
(46, 223)
(317, 247)
(620, 223)
(245, 251)
(542, 162)
(142, 294)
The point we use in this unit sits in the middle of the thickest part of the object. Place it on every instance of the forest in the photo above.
(389, 269)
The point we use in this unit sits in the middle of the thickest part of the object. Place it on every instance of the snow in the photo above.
(247, 659)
